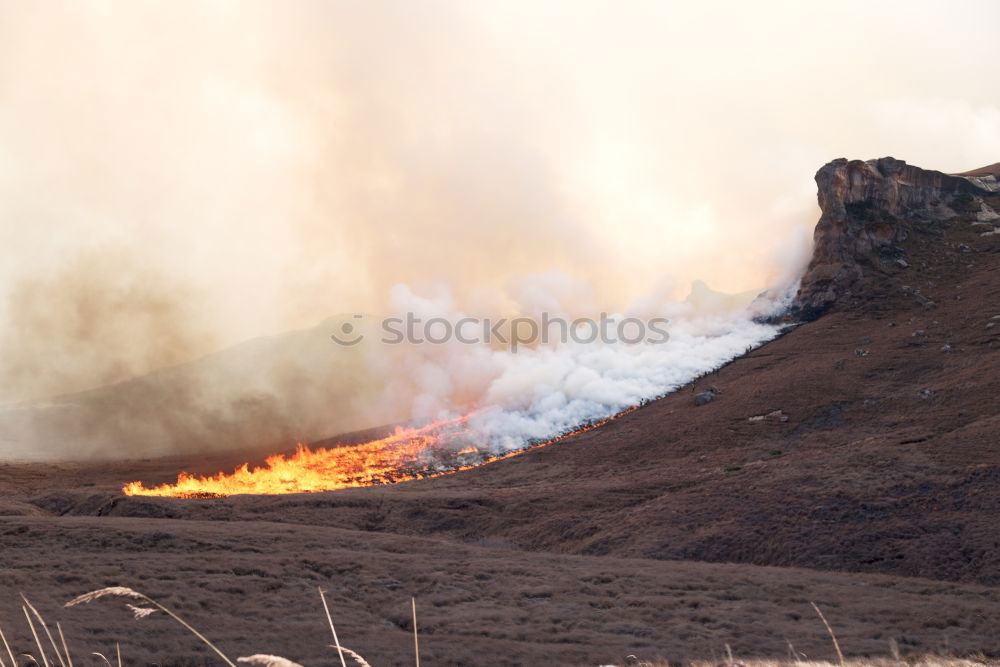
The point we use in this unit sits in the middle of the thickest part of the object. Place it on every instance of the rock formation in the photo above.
(868, 209)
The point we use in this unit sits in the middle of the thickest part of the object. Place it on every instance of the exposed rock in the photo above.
(706, 396)
(777, 416)
(868, 208)
(987, 214)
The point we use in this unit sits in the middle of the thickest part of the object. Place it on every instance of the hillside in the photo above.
(869, 487)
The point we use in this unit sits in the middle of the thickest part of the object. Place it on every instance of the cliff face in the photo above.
(868, 209)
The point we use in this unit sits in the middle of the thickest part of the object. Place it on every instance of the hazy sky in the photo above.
(177, 176)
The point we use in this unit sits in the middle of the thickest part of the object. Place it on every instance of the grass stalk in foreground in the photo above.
(416, 641)
(13, 661)
(121, 591)
(62, 638)
(836, 644)
(340, 651)
(55, 649)
(41, 649)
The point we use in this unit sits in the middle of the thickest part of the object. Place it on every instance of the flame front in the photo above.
(436, 449)
(409, 453)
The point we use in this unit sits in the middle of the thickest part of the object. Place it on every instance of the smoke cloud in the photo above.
(178, 178)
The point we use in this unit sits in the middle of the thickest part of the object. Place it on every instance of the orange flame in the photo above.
(403, 455)
(407, 454)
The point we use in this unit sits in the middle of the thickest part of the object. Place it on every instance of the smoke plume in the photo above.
(177, 179)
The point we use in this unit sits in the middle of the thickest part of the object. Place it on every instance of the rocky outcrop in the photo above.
(868, 209)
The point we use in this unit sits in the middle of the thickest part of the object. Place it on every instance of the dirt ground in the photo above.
(670, 532)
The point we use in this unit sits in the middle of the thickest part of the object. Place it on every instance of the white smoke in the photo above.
(545, 392)
(541, 391)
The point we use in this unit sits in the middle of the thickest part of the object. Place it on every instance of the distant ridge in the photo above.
(989, 170)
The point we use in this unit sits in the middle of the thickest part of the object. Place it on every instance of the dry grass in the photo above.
(798, 661)
(140, 612)
(64, 659)
(926, 661)
(865, 662)
(836, 644)
(416, 640)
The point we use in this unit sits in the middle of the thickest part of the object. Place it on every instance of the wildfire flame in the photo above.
(406, 454)
(409, 453)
